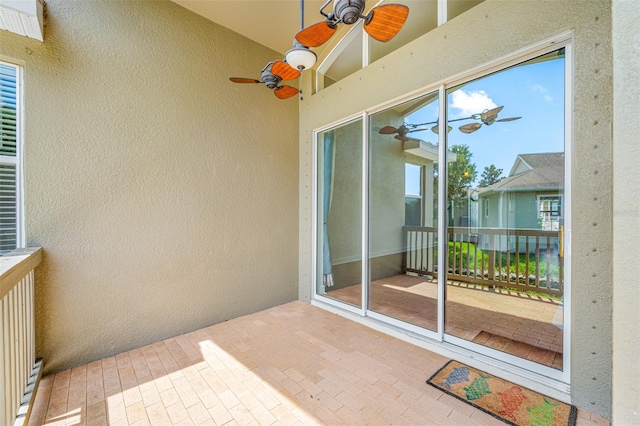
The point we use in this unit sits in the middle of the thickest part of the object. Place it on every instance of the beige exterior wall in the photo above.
(492, 30)
(626, 214)
(164, 196)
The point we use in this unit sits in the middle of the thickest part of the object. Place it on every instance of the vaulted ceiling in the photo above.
(272, 23)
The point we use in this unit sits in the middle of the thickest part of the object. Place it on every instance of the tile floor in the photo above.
(292, 364)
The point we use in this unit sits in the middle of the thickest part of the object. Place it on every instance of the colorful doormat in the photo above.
(503, 400)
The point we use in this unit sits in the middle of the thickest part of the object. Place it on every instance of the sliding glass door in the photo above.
(505, 203)
(339, 213)
(455, 231)
(403, 233)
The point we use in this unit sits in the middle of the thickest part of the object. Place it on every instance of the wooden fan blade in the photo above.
(384, 22)
(285, 92)
(244, 80)
(509, 119)
(284, 71)
(401, 138)
(470, 128)
(388, 130)
(316, 34)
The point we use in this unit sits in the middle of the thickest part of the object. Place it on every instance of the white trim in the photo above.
(501, 210)
(315, 257)
(365, 215)
(538, 370)
(20, 125)
(18, 160)
(443, 14)
(515, 58)
(568, 157)
(366, 54)
(403, 325)
(337, 123)
(522, 55)
(443, 244)
(324, 300)
(336, 51)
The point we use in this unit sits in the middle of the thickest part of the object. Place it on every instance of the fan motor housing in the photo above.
(348, 11)
(270, 80)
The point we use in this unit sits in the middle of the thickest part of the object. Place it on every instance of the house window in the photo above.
(10, 197)
(549, 212)
(413, 195)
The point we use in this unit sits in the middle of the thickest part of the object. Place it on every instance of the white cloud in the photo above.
(541, 90)
(469, 103)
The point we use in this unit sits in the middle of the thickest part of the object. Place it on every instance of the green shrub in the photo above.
(472, 257)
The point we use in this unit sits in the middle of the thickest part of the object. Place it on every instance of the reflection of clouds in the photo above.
(469, 103)
(541, 90)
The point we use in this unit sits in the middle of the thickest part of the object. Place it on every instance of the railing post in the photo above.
(492, 259)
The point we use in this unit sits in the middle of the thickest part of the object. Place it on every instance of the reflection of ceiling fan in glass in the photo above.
(488, 117)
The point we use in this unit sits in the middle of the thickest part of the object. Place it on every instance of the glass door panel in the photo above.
(403, 233)
(339, 268)
(505, 203)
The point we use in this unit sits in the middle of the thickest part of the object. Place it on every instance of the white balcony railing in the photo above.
(19, 371)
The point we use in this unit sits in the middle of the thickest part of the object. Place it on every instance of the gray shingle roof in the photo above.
(544, 171)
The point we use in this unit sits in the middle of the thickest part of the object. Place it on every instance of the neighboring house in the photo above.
(534, 180)
(530, 197)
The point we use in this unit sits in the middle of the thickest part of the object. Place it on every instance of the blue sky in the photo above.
(534, 92)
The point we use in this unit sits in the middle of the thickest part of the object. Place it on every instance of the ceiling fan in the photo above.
(382, 22)
(401, 131)
(272, 74)
(488, 117)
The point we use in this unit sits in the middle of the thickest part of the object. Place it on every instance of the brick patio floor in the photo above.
(291, 364)
(508, 321)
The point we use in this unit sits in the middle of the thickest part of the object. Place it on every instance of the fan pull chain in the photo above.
(300, 86)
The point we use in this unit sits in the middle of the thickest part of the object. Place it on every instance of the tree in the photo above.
(490, 175)
(461, 174)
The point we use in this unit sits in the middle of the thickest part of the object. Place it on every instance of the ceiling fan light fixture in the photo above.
(489, 117)
(301, 57)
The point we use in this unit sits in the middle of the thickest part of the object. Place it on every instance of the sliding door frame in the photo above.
(546, 375)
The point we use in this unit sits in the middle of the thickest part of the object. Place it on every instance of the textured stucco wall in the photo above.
(487, 32)
(626, 213)
(164, 196)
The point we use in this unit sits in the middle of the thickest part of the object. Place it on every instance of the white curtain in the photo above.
(327, 177)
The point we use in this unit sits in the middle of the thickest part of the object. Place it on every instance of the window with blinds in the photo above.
(9, 161)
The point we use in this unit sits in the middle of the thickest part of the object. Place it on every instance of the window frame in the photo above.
(557, 218)
(419, 197)
(17, 160)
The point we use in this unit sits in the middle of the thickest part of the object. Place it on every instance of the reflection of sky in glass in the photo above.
(412, 180)
(534, 92)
